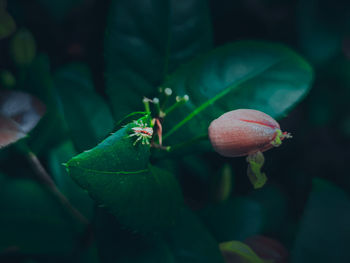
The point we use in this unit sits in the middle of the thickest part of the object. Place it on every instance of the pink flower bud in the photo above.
(244, 132)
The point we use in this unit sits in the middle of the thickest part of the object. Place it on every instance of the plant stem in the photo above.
(178, 103)
(146, 104)
(45, 179)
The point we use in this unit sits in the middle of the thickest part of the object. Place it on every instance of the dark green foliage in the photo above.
(86, 114)
(263, 76)
(164, 34)
(92, 63)
(32, 221)
(324, 231)
(117, 175)
(36, 79)
(78, 197)
(187, 242)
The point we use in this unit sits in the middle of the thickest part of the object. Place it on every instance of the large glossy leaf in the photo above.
(76, 195)
(86, 114)
(32, 221)
(186, 242)
(146, 40)
(257, 75)
(117, 175)
(324, 232)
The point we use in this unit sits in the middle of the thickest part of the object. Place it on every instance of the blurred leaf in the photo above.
(148, 39)
(10, 131)
(238, 252)
(262, 76)
(22, 108)
(268, 249)
(235, 219)
(37, 80)
(186, 242)
(7, 24)
(322, 25)
(324, 231)
(117, 175)
(23, 48)
(116, 244)
(190, 241)
(60, 9)
(77, 196)
(32, 221)
(91, 255)
(19, 114)
(238, 218)
(86, 114)
(275, 209)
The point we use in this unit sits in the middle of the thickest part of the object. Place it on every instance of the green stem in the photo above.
(157, 106)
(178, 103)
(45, 179)
(166, 94)
(146, 103)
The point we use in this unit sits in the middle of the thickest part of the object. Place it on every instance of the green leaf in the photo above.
(148, 39)
(187, 241)
(263, 211)
(234, 219)
(244, 252)
(86, 114)
(190, 241)
(32, 221)
(77, 196)
(257, 75)
(274, 206)
(324, 231)
(116, 244)
(117, 175)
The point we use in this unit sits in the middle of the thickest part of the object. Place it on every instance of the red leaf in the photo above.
(19, 114)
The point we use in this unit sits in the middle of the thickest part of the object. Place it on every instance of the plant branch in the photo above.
(45, 179)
